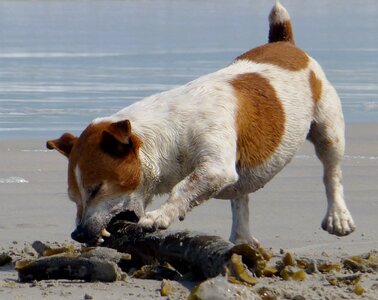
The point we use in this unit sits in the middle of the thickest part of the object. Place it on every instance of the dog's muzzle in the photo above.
(82, 235)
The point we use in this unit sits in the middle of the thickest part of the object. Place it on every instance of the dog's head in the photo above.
(104, 171)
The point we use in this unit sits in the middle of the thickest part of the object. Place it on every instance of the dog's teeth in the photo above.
(105, 233)
(100, 240)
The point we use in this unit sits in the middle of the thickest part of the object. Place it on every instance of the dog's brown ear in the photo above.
(63, 144)
(116, 140)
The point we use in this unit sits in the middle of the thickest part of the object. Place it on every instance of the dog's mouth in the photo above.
(99, 226)
(107, 229)
(106, 232)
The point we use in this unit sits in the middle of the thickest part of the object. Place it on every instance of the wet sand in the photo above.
(286, 214)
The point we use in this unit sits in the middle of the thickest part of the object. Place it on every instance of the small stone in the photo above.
(325, 254)
(266, 294)
(167, 288)
(5, 259)
(358, 290)
(288, 259)
(88, 297)
(298, 297)
(39, 247)
(29, 251)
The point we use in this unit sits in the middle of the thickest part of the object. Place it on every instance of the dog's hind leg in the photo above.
(327, 135)
(240, 233)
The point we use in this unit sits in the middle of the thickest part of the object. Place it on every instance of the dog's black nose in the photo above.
(81, 235)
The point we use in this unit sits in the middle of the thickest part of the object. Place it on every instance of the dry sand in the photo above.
(286, 214)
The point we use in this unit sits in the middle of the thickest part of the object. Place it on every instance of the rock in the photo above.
(219, 288)
(266, 294)
(39, 247)
(298, 297)
(358, 289)
(167, 288)
(5, 259)
(71, 268)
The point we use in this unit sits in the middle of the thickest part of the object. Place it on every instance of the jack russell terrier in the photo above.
(223, 135)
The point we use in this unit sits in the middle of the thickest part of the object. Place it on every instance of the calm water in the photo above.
(63, 63)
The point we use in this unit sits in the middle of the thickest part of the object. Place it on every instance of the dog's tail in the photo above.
(280, 29)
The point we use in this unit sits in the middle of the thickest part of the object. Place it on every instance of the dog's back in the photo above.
(262, 106)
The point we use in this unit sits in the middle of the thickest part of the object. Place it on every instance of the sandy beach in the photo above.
(286, 215)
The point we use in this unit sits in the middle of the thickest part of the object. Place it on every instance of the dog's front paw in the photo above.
(338, 221)
(160, 218)
(154, 220)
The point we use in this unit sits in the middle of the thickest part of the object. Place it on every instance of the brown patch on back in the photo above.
(260, 119)
(279, 32)
(281, 54)
(121, 174)
(316, 87)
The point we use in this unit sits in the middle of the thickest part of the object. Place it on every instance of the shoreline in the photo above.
(7, 134)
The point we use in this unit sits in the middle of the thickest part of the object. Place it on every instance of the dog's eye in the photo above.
(93, 191)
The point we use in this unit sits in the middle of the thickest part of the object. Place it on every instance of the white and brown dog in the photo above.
(222, 136)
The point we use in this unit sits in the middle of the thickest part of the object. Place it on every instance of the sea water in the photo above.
(64, 63)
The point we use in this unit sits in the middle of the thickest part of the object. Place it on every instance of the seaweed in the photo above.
(202, 255)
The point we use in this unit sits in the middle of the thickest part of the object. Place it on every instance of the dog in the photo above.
(223, 135)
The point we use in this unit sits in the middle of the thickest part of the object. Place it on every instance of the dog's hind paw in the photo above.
(338, 222)
(253, 242)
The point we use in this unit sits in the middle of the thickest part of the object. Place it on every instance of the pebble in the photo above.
(325, 254)
(29, 251)
(39, 247)
(298, 297)
(88, 297)
(5, 258)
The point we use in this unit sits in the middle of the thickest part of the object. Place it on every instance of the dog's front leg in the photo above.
(207, 180)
